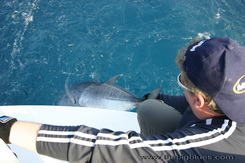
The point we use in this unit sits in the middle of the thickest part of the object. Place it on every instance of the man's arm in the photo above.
(178, 102)
(24, 134)
(82, 143)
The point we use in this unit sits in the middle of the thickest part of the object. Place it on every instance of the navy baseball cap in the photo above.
(217, 67)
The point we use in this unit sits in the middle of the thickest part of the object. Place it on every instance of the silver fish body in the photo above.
(100, 95)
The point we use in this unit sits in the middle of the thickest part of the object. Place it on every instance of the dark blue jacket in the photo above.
(212, 140)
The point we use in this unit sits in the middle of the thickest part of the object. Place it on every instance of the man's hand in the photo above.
(5, 126)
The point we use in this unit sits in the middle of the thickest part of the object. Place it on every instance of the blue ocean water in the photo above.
(42, 42)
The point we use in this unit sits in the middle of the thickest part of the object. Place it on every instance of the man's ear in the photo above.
(199, 102)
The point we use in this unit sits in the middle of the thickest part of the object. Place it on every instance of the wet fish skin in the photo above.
(102, 95)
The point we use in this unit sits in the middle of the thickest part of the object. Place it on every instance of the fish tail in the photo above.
(155, 93)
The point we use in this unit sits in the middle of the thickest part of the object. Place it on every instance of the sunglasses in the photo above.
(181, 85)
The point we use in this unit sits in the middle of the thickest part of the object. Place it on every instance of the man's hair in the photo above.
(187, 82)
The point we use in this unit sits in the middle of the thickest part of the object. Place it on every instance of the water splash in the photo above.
(27, 17)
(205, 35)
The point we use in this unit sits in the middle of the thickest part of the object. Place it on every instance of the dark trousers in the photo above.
(156, 117)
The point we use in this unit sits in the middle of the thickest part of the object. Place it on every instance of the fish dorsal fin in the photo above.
(155, 93)
(114, 79)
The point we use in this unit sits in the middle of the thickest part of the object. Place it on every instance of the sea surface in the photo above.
(42, 42)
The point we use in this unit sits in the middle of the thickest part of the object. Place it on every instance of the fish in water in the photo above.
(102, 95)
